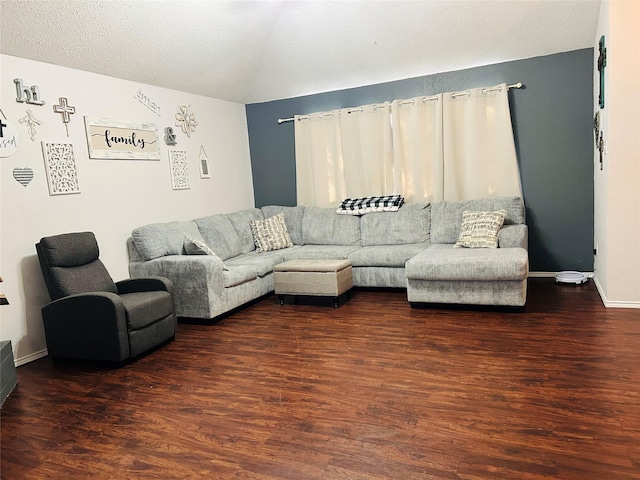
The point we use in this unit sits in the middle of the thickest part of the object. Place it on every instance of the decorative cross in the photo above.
(65, 110)
(31, 122)
(2, 125)
(602, 62)
(600, 143)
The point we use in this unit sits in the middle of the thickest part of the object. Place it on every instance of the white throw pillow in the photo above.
(270, 233)
(480, 229)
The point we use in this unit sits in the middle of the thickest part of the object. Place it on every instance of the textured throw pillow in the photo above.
(193, 246)
(270, 233)
(480, 229)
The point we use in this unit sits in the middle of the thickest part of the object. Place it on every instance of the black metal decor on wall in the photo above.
(602, 62)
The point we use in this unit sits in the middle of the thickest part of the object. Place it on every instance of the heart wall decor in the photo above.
(23, 175)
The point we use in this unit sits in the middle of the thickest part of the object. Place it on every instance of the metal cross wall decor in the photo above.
(65, 110)
(602, 62)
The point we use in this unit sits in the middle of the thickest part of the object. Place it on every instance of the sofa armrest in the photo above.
(198, 282)
(91, 326)
(144, 284)
(514, 236)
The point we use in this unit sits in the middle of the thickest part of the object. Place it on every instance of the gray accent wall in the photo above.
(552, 124)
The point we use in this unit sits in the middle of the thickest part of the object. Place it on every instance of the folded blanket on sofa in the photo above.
(360, 206)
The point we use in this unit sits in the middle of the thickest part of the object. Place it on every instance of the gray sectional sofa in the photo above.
(411, 248)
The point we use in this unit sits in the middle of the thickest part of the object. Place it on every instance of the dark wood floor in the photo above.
(371, 390)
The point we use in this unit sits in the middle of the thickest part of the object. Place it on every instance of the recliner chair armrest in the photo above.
(91, 326)
(145, 284)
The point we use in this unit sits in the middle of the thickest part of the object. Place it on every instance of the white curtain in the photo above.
(417, 148)
(454, 146)
(319, 161)
(479, 151)
(367, 150)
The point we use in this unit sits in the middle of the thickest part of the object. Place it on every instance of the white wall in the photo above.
(116, 195)
(617, 186)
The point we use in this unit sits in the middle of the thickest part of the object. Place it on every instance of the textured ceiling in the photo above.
(255, 51)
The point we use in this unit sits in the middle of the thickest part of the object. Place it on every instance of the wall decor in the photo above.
(65, 109)
(186, 119)
(27, 94)
(8, 138)
(602, 62)
(147, 102)
(169, 136)
(179, 169)
(60, 165)
(115, 139)
(204, 163)
(30, 121)
(23, 175)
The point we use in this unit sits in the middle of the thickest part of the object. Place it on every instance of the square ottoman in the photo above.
(329, 278)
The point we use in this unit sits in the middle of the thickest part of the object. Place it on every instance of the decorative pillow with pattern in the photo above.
(270, 234)
(193, 246)
(480, 229)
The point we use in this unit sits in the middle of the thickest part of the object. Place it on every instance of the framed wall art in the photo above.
(116, 139)
(204, 164)
(60, 165)
(179, 170)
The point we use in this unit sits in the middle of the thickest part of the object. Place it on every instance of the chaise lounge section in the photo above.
(478, 276)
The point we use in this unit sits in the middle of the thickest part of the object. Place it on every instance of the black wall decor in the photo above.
(602, 62)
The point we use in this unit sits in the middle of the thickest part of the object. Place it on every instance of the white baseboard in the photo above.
(613, 303)
(31, 357)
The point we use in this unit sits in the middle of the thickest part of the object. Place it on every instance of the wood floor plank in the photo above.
(371, 390)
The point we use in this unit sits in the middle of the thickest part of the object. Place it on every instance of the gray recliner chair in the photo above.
(91, 317)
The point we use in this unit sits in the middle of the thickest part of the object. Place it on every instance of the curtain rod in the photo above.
(514, 85)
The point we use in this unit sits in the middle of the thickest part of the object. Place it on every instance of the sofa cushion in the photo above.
(446, 217)
(270, 234)
(240, 221)
(262, 262)
(238, 275)
(444, 262)
(218, 232)
(511, 236)
(410, 224)
(385, 255)
(312, 252)
(480, 229)
(292, 217)
(323, 226)
(161, 239)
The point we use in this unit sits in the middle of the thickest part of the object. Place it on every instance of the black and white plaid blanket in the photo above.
(360, 206)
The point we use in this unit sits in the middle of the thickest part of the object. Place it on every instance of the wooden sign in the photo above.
(115, 139)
